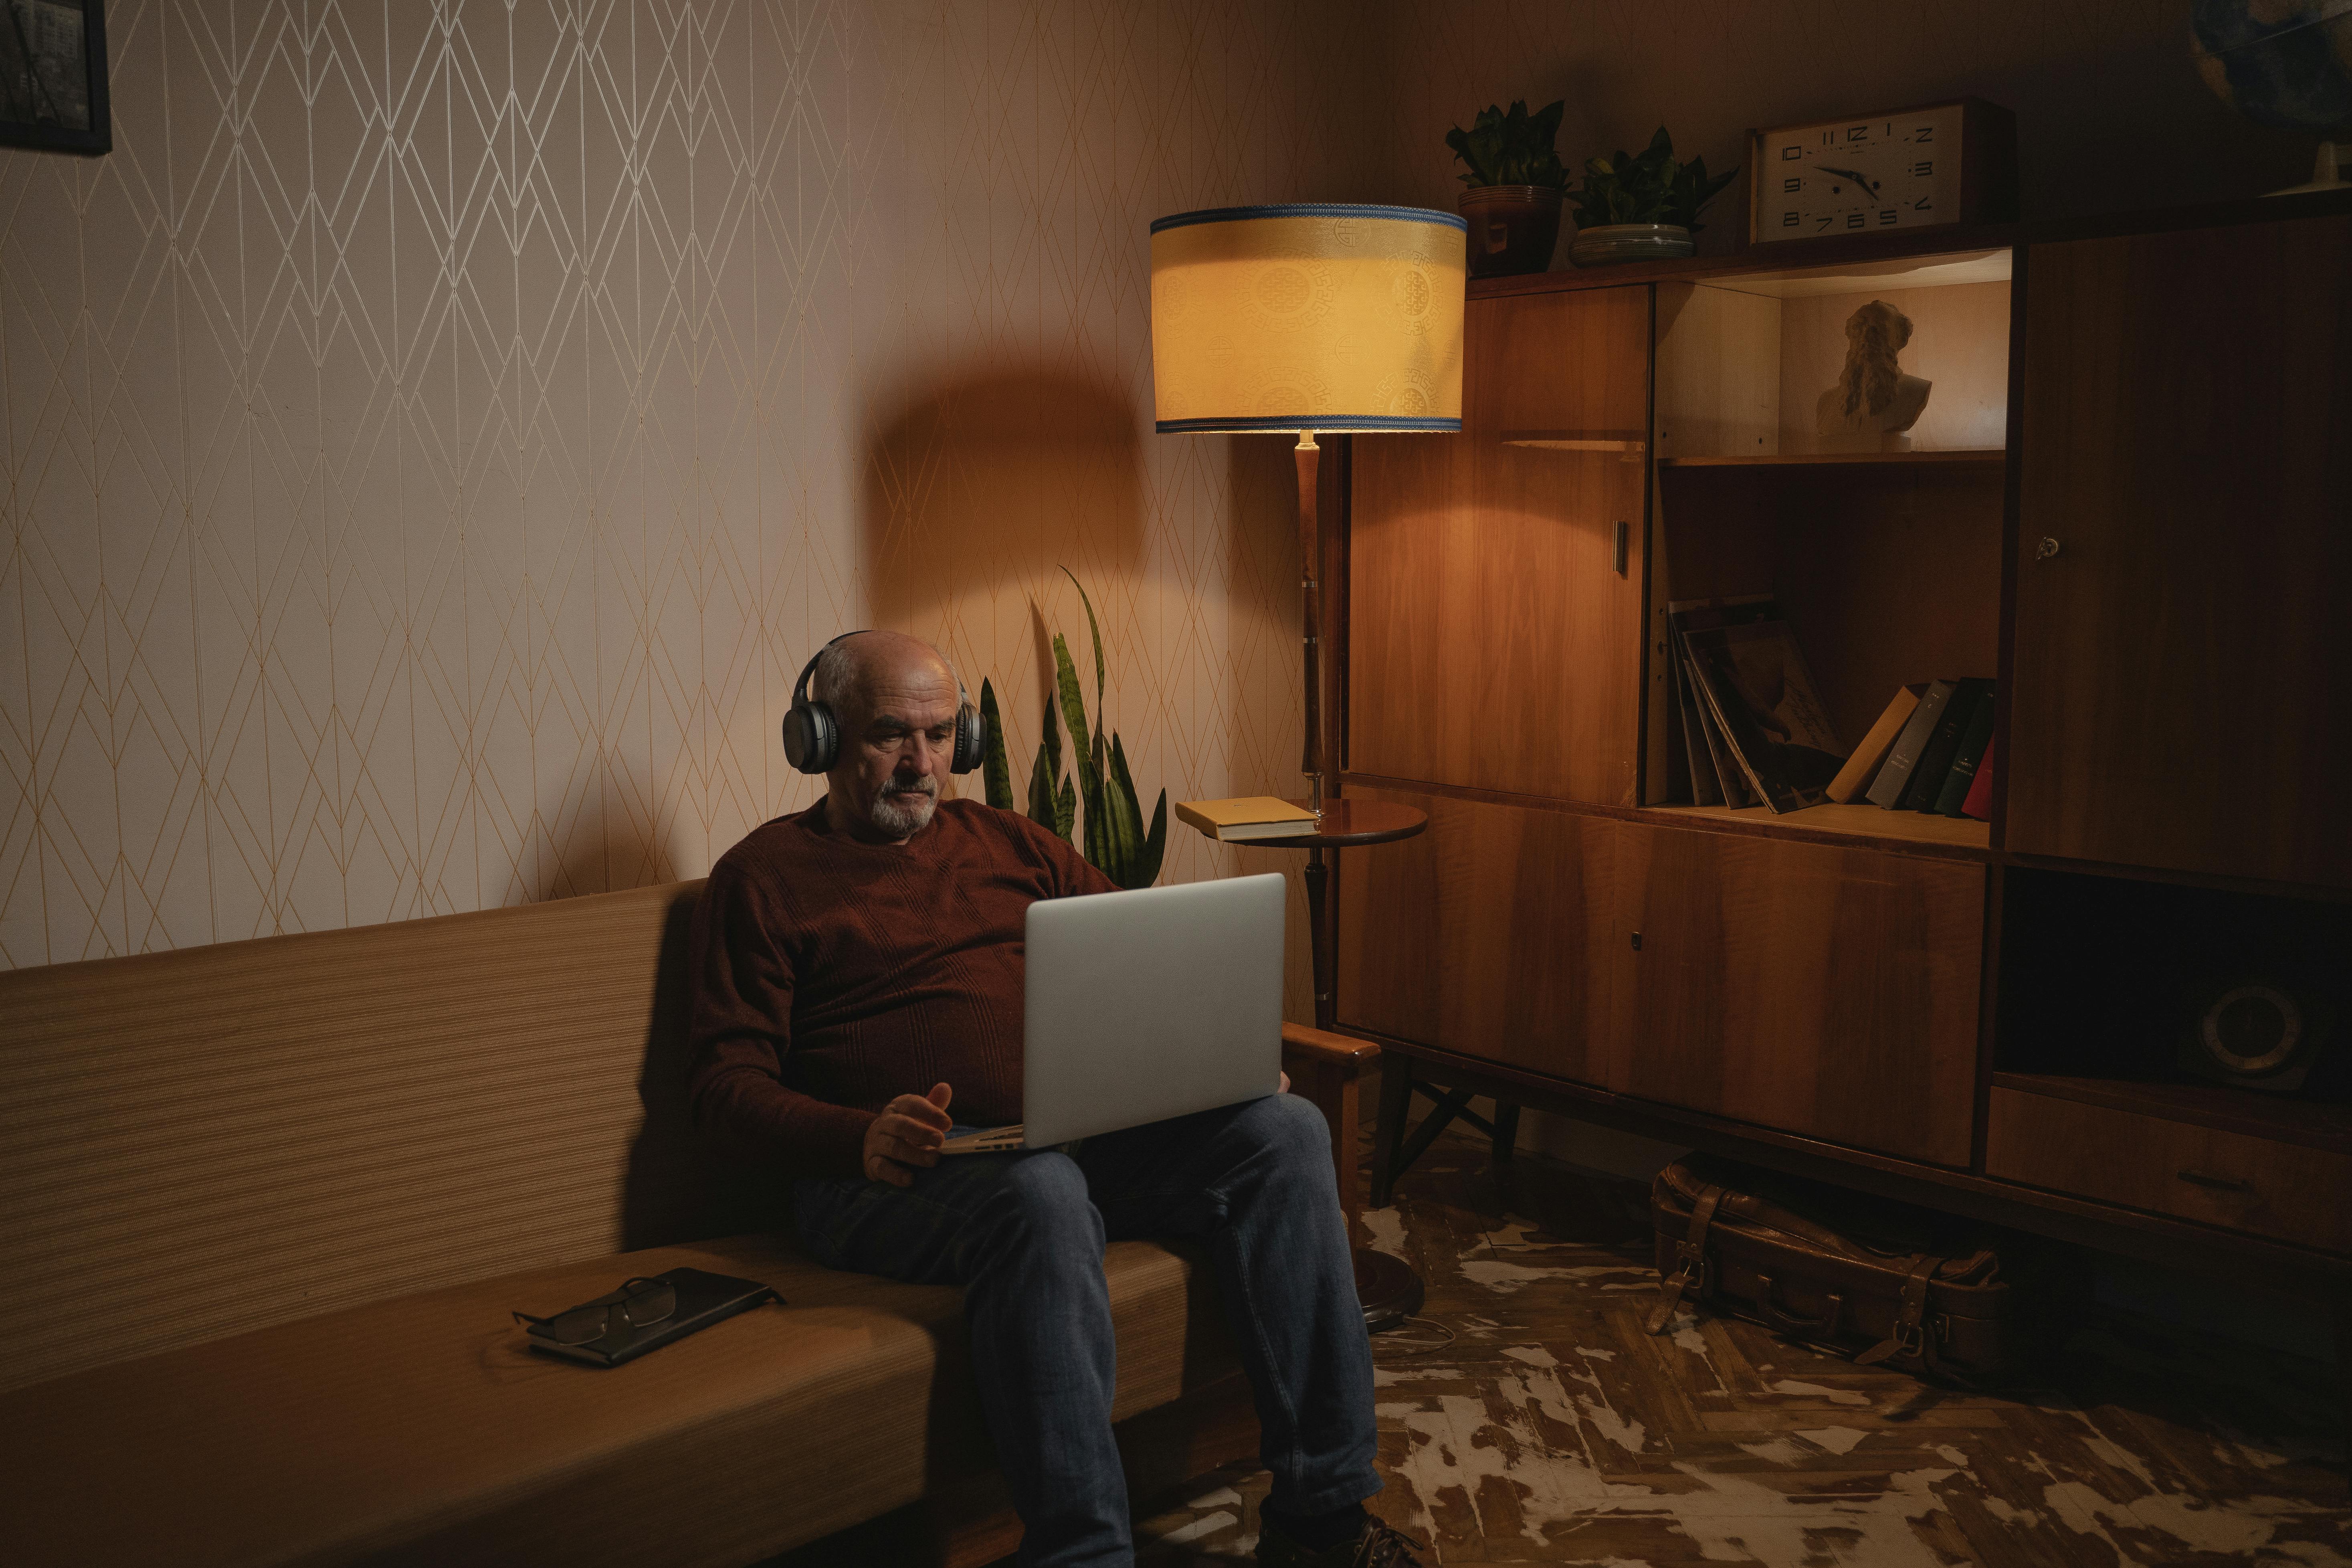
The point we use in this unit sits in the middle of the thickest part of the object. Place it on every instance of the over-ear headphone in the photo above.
(812, 736)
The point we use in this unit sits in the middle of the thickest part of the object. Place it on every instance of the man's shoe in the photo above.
(1378, 1547)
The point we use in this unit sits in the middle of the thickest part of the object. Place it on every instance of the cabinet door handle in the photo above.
(2219, 1183)
(1619, 555)
(2048, 547)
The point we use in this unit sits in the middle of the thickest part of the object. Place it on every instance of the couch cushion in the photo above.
(202, 1142)
(420, 1429)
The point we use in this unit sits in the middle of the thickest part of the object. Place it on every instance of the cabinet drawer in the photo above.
(2286, 1190)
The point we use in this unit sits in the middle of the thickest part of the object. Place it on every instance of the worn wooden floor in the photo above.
(1527, 1419)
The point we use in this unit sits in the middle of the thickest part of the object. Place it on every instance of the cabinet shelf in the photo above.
(1973, 455)
(1871, 825)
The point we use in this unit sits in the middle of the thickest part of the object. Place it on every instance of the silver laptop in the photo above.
(1143, 1005)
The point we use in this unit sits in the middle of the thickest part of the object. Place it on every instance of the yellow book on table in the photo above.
(1245, 817)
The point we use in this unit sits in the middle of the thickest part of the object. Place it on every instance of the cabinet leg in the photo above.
(1507, 1131)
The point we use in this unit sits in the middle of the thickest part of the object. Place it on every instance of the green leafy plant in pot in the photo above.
(1641, 208)
(1116, 843)
(1516, 183)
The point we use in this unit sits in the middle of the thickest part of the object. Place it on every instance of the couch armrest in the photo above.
(1327, 1068)
(1322, 1047)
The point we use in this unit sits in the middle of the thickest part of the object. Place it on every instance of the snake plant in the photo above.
(1116, 843)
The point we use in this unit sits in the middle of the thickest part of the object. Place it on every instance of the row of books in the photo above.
(1754, 733)
(1930, 750)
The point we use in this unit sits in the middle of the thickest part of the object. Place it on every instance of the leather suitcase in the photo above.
(1878, 1282)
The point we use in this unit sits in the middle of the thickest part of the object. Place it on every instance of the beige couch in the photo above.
(267, 1207)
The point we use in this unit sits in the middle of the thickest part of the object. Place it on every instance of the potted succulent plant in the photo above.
(1641, 208)
(1516, 183)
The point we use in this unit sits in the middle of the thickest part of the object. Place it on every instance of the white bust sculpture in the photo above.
(1873, 403)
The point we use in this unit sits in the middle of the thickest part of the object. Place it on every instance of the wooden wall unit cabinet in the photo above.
(1487, 573)
(1826, 992)
(2183, 690)
(1831, 992)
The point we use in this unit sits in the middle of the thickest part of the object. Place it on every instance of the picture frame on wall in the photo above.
(53, 76)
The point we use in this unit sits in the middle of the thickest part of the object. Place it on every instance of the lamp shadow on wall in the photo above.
(979, 484)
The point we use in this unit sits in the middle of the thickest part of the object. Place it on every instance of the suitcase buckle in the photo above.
(1693, 1273)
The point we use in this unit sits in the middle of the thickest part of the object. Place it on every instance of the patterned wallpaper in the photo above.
(433, 441)
(436, 436)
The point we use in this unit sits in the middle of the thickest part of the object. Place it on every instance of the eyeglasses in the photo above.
(636, 1303)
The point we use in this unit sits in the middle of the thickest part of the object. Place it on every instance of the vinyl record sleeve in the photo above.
(1756, 680)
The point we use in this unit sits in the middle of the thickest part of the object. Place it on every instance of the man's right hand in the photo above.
(906, 1134)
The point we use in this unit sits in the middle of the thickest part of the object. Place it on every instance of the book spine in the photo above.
(1852, 778)
(1980, 801)
(1927, 777)
(1963, 771)
(1886, 790)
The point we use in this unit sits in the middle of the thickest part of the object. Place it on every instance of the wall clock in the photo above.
(1898, 169)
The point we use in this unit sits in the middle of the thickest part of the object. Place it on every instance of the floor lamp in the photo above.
(1313, 320)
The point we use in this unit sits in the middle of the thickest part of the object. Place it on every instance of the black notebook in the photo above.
(703, 1299)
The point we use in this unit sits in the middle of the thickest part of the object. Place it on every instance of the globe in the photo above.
(2286, 63)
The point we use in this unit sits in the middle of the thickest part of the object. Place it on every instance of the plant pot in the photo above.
(1605, 243)
(1513, 228)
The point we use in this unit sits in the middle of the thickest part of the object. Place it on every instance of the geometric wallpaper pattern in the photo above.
(436, 435)
(433, 439)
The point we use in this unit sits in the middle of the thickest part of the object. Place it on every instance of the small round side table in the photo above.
(1386, 1284)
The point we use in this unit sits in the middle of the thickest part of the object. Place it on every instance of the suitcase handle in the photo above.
(1825, 1327)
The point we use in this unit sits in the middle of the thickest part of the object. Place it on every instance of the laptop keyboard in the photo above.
(994, 1140)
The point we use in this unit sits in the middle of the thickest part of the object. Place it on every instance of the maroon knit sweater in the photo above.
(827, 976)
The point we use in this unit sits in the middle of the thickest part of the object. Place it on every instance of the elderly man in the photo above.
(856, 973)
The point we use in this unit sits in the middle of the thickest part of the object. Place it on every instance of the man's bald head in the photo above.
(863, 665)
(893, 700)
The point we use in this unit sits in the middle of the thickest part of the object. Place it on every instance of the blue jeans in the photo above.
(1022, 1234)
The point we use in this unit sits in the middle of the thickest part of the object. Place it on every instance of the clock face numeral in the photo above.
(1923, 169)
(1788, 220)
(1792, 185)
(1792, 153)
(1886, 214)
(1923, 135)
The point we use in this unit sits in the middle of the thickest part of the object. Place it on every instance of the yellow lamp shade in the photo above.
(1308, 317)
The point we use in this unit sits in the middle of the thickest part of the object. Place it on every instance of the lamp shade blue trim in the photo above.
(1308, 209)
(1321, 424)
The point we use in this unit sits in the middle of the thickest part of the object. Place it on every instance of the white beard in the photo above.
(903, 813)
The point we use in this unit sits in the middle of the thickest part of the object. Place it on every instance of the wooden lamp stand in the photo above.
(1387, 1286)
